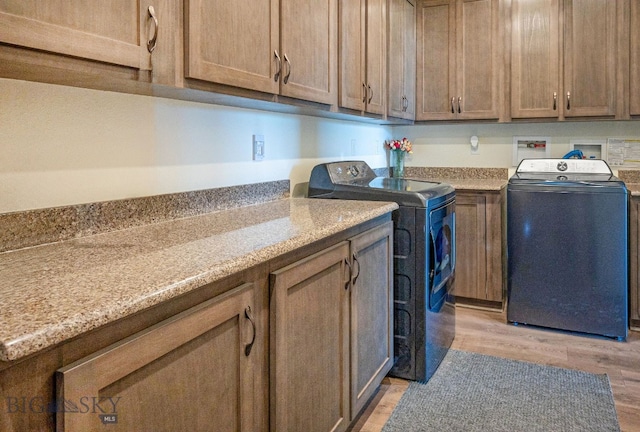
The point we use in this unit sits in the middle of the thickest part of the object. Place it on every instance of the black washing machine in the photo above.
(424, 258)
(567, 247)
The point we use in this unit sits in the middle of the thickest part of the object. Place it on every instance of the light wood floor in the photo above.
(486, 332)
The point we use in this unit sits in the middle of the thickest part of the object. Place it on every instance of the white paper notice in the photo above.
(623, 152)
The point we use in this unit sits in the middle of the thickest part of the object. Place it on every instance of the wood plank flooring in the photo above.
(487, 332)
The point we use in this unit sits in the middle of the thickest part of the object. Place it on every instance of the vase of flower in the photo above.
(398, 149)
(397, 163)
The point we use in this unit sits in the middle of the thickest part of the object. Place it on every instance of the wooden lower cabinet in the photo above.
(371, 313)
(331, 333)
(310, 343)
(479, 244)
(194, 371)
(634, 262)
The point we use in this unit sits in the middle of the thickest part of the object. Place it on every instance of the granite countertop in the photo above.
(633, 188)
(485, 185)
(54, 292)
(476, 179)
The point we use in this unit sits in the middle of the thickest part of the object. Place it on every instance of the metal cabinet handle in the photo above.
(346, 284)
(355, 260)
(288, 62)
(276, 76)
(453, 101)
(555, 100)
(459, 104)
(151, 43)
(568, 101)
(247, 347)
(370, 93)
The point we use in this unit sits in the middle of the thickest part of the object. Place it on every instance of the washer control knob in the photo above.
(354, 171)
(562, 166)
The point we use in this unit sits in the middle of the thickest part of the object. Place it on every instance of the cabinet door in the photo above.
(477, 60)
(479, 247)
(409, 60)
(192, 372)
(401, 59)
(371, 313)
(352, 54)
(233, 43)
(436, 83)
(376, 60)
(589, 58)
(310, 344)
(309, 50)
(535, 59)
(113, 32)
(634, 79)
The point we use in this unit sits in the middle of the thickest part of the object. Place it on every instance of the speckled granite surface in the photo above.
(479, 179)
(53, 292)
(35, 227)
(631, 179)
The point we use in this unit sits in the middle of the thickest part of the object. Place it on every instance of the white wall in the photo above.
(448, 145)
(64, 145)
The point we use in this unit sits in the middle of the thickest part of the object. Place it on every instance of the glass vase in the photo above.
(397, 163)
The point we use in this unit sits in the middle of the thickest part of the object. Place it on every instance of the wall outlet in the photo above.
(258, 147)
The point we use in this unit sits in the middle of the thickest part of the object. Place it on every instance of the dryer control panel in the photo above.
(564, 166)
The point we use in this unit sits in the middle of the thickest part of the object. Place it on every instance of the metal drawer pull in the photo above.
(286, 77)
(555, 100)
(568, 101)
(276, 77)
(151, 44)
(355, 260)
(247, 347)
(346, 285)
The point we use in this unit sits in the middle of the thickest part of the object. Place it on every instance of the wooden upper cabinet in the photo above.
(114, 32)
(563, 68)
(478, 56)
(352, 54)
(459, 55)
(436, 83)
(402, 59)
(535, 59)
(309, 50)
(376, 58)
(233, 43)
(286, 47)
(590, 58)
(634, 60)
(362, 55)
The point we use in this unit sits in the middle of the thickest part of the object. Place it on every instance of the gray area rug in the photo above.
(473, 392)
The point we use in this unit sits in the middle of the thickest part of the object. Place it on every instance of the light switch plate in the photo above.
(258, 147)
